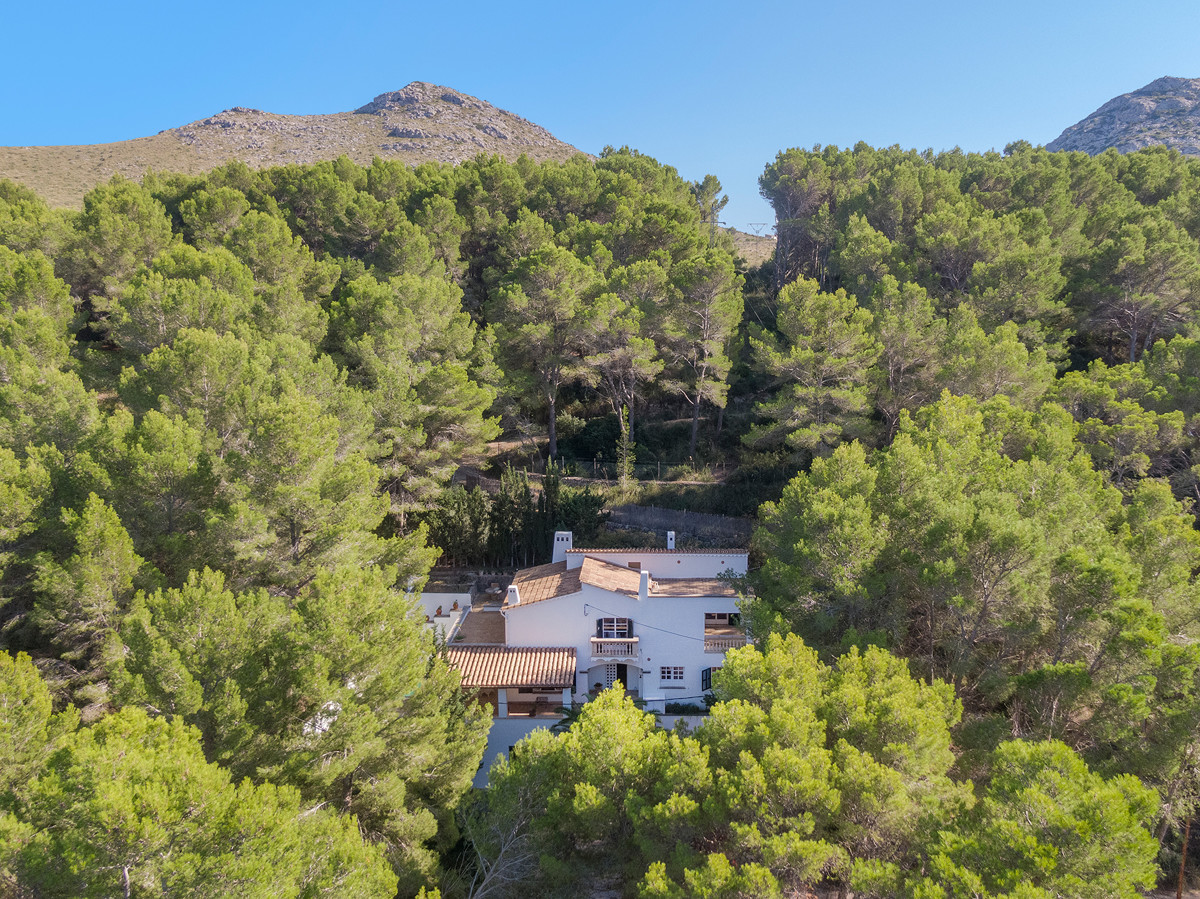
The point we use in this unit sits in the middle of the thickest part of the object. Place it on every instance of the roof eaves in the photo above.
(658, 550)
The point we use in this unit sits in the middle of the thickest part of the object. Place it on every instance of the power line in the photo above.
(652, 627)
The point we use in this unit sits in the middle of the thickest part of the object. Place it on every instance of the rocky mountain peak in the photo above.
(420, 93)
(419, 123)
(1165, 112)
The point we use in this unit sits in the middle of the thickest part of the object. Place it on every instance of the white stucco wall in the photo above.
(431, 602)
(668, 564)
(670, 632)
(505, 732)
(447, 623)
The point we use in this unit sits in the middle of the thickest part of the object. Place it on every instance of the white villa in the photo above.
(659, 621)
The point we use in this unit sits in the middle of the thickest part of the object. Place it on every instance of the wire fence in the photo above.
(702, 525)
(602, 469)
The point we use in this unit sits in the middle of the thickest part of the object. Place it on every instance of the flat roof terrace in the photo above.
(482, 627)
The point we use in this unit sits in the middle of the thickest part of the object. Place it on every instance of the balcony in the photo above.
(724, 642)
(623, 648)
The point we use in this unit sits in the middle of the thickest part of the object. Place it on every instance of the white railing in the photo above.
(725, 642)
(614, 647)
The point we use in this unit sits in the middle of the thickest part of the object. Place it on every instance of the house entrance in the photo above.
(614, 673)
(602, 677)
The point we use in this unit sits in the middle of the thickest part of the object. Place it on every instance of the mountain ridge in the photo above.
(421, 122)
(1165, 112)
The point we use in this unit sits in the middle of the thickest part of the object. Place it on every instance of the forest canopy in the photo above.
(965, 394)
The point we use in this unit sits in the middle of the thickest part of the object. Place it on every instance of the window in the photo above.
(670, 673)
(734, 618)
(722, 623)
(614, 628)
(706, 678)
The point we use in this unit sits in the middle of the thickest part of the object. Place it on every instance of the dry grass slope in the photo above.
(421, 123)
(754, 248)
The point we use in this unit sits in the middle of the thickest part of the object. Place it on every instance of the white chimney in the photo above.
(644, 584)
(514, 595)
(563, 540)
(670, 539)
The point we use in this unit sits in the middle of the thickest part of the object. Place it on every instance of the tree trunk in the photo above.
(553, 433)
(1187, 836)
(695, 427)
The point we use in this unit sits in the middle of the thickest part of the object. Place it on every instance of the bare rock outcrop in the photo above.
(454, 118)
(418, 123)
(1165, 112)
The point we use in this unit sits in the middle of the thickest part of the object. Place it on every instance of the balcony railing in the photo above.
(724, 642)
(614, 647)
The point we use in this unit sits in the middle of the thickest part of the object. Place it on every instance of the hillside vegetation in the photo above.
(963, 401)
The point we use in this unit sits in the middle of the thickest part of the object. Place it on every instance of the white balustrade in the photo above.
(724, 642)
(614, 647)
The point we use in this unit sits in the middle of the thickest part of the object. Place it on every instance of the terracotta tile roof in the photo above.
(691, 586)
(514, 666)
(607, 576)
(662, 549)
(482, 627)
(545, 582)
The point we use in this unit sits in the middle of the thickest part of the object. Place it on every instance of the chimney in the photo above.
(514, 595)
(563, 540)
(644, 584)
(670, 539)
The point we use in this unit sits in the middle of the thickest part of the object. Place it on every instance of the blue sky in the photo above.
(705, 87)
